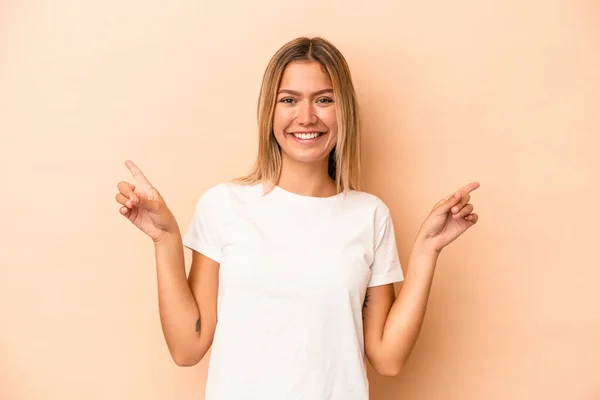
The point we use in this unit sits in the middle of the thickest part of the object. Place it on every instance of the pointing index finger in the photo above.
(469, 188)
(139, 177)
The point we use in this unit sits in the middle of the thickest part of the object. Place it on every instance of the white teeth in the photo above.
(305, 136)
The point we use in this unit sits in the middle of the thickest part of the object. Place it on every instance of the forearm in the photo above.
(405, 318)
(177, 306)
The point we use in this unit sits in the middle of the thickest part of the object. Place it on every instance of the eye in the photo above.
(287, 100)
(325, 100)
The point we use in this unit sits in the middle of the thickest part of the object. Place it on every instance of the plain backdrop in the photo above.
(504, 93)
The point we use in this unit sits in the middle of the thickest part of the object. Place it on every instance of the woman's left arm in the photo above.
(392, 324)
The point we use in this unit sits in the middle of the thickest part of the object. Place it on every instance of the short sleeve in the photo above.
(386, 266)
(203, 233)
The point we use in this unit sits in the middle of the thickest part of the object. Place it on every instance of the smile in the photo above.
(307, 137)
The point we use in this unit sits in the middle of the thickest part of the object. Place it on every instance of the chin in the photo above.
(310, 160)
(303, 157)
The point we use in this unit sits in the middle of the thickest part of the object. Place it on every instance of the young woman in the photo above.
(296, 262)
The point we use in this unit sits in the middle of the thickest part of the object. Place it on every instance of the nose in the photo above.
(306, 114)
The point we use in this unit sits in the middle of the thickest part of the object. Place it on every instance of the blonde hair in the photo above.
(344, 159)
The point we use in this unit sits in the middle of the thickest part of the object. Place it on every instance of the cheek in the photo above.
(329, 119)
(280, 120)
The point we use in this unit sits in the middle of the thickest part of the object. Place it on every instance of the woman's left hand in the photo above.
(449, 219)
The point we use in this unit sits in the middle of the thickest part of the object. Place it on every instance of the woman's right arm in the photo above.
(187, 306)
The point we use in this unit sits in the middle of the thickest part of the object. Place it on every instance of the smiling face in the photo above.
(296, 97)
(304, 122)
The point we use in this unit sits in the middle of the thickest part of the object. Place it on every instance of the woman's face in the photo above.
(305, 123)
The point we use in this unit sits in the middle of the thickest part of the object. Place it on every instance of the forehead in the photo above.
(305, 75)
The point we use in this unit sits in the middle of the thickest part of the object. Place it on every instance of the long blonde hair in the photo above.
(344, 159)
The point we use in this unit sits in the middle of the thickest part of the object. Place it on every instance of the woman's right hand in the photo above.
(143, 205)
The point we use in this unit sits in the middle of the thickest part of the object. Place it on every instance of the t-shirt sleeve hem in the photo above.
(383, 279)
(195, 244)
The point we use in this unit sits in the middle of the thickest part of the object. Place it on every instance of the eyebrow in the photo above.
(295, 93)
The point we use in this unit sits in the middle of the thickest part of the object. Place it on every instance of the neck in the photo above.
(306, 179)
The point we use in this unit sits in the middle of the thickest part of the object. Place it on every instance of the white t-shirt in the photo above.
(293, 275)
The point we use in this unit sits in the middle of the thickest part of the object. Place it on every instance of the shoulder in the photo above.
(367, 210)
(369, 203)
(224, 193)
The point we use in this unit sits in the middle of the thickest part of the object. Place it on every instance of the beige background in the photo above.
(504, 93)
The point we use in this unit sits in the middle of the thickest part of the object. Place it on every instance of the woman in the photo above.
(299, 263)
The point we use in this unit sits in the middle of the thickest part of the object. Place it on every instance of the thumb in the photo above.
(150, 200)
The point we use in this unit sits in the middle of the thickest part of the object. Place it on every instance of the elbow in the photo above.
(389, 368)
(192, 354)
(390, 371)
(186, 360)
